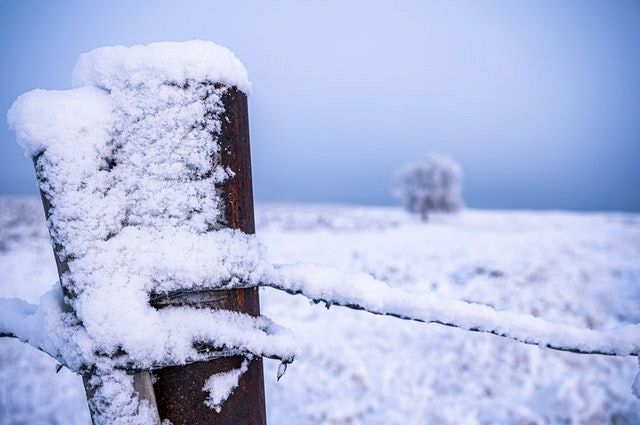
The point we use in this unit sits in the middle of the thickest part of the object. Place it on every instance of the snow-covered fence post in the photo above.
(179, 388)
(150, 152)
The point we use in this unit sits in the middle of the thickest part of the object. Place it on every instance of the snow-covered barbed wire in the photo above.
(48, 327)
(220, 333)
(361, 291)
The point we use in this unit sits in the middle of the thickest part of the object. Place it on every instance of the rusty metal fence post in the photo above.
(178, 390)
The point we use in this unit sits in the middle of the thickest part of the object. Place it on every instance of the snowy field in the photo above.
(355, 368)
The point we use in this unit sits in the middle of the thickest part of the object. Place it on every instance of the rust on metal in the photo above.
(179, 388)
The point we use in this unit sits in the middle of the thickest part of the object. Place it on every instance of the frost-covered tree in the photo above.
(430, 184)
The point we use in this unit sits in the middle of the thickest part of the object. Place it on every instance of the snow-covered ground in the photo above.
(355, 368)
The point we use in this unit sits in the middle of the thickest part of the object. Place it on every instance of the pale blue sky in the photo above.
(538, 100)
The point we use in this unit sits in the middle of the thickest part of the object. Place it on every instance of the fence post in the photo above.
(178, 389)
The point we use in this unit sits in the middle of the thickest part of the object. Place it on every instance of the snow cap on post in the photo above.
(176, 62)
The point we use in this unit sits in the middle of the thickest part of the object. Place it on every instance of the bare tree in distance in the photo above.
(431, 184)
